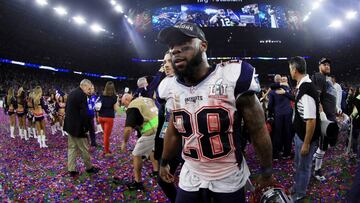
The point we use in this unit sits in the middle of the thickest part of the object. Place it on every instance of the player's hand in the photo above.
(263, 181)
(305, 149)
(165, 174)
(123, 147)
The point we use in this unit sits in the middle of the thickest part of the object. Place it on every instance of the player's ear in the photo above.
(203, 46)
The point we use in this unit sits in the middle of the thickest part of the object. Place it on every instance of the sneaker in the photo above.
(318, 175)
(73, 174)
(135, 186)
(93, 170)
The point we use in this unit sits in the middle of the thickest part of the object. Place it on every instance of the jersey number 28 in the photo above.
(213, 125)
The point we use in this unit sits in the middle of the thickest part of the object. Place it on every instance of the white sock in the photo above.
(34, 132)
(12, 129)
(29, 131)
(319, 156)
(25, 134)
(21, 133)
(43, 141)
(57, 126)
(52, 130)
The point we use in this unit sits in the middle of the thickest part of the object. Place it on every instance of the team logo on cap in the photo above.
(184, 26)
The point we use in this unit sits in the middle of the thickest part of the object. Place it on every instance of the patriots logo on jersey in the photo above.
(218, 90)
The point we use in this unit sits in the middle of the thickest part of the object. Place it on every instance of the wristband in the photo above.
(164, 162)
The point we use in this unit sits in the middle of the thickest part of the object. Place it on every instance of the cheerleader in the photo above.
(61, 113)
(39, 113)
(30, 115)
(52, 108)
(21, 113)
(10, 105)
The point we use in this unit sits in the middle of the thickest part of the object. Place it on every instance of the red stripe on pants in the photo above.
(107, 125)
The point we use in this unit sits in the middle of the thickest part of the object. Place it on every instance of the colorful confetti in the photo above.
(31, 174)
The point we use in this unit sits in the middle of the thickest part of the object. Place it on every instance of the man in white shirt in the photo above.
(306, 122)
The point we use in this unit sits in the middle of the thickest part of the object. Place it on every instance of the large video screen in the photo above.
(251, 15)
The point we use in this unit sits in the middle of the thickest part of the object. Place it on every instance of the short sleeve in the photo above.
(248, 81)
(309, 107)
(133, 118)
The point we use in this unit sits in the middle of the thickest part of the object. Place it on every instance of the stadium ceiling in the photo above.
(48, 36)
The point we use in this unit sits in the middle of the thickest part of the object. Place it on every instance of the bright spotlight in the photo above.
(60, 10)
(42, 2)
(130, 21)
(113, 2)
(96, 28)
(119, 9)
(79, 20)
(316, 5)
(306, 18)
(351, 15)
(336, 24)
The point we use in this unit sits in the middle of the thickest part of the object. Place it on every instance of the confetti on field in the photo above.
(31, 174)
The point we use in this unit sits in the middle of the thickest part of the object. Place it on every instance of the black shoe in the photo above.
(73, 174)
(117, 181)
(93, 170)
(155, 174)
(286, 156)
(135, 186)
(275, 157)
(319, 176)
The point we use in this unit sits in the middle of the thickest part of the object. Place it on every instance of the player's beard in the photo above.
(192, 66)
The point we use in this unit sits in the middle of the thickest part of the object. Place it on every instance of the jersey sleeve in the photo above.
(133, 118)
(161, 92)
(247, 81)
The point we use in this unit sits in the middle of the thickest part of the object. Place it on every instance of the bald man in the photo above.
(141, 112)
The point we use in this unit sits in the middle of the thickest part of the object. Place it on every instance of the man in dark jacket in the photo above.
(280, 109)
(77, 125)
(327, 96)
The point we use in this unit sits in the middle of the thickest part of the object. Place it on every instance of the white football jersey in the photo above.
(204, 116)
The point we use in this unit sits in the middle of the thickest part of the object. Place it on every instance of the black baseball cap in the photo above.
(181, 29)
(324, 60)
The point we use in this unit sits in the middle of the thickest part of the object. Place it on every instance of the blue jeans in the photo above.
(303, 165)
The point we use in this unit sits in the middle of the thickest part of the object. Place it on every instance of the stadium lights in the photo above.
(306, 18)
(42, 2)
(351, 15)
(96, 28)
(113, 2)
(336, 24)
(119, 9)
(60, 10)
(79, 20)
(130, 21)
(316, 5)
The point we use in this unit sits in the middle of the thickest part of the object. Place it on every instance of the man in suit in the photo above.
(77, 126)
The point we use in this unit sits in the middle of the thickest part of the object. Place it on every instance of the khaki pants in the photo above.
(76, 145)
